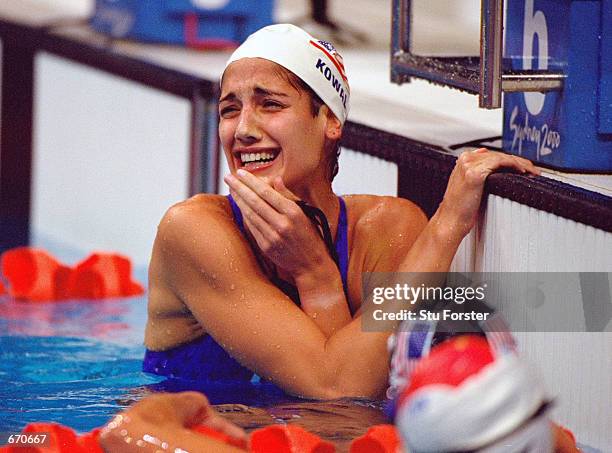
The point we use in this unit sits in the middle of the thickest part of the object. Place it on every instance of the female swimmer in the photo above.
(247, 283)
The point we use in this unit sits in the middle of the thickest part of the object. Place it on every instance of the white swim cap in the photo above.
(314, 61)
(463, 398)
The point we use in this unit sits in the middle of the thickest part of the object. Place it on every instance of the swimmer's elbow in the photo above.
(328, 377)
(335, 382)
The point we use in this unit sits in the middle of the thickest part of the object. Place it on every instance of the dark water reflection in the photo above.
(338, 421)
(253, 406)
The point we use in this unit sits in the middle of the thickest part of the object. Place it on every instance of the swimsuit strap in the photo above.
(341, 243)
(318, 219)
(237, 215)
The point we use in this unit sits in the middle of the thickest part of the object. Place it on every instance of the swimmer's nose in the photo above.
(248, 130)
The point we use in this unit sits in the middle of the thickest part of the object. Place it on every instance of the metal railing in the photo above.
(481, 75)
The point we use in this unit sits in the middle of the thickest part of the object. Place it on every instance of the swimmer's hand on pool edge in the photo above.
(287, 237)
(167, 418)
(461, 202)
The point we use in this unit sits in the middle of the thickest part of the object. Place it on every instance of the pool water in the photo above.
(74, 363)
(79, 362)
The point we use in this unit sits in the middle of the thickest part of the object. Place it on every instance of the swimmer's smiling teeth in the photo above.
(255, 159)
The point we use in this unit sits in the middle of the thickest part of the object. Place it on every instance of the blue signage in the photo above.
(559, 128)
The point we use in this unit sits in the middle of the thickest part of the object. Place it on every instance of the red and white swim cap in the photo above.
(315, 61)
(461, 397)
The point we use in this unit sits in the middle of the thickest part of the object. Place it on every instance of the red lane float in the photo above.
(274, 438)
(288, 439)
(103, 275)
(377, 439)
(33, 274)
(220, 436)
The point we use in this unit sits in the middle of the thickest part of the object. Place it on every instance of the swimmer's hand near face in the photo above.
(287, 237)
(459, 208)
(283, 232)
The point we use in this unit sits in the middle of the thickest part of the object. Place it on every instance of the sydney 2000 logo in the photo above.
(528, 129)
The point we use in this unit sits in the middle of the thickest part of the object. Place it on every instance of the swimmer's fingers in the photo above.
(477, 165)
(281, 200)
(254, 201)
(281, 235)
(218, 423)
(191, 408)
(194, 409)
(184, 409)
(462, 199)
(277, 223)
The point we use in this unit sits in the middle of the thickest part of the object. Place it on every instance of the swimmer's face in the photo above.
(267, 125)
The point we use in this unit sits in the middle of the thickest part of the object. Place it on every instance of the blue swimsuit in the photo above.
(203, 359)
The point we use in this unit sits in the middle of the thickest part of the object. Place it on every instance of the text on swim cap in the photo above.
(336, 84)
(334, 56)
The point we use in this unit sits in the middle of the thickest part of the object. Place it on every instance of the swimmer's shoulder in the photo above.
(186, 248)
(201, 223)
(382, 230)
(199, 206)
(374, 216)
(201, 211)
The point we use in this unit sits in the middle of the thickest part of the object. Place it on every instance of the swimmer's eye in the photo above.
(227, 111)
(272, 104)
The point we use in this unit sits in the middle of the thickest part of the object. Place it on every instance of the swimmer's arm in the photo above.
(322, 298)
(361, 358)
(354, 362)
(254, 321)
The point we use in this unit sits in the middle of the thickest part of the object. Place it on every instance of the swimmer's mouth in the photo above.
(255, 160)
